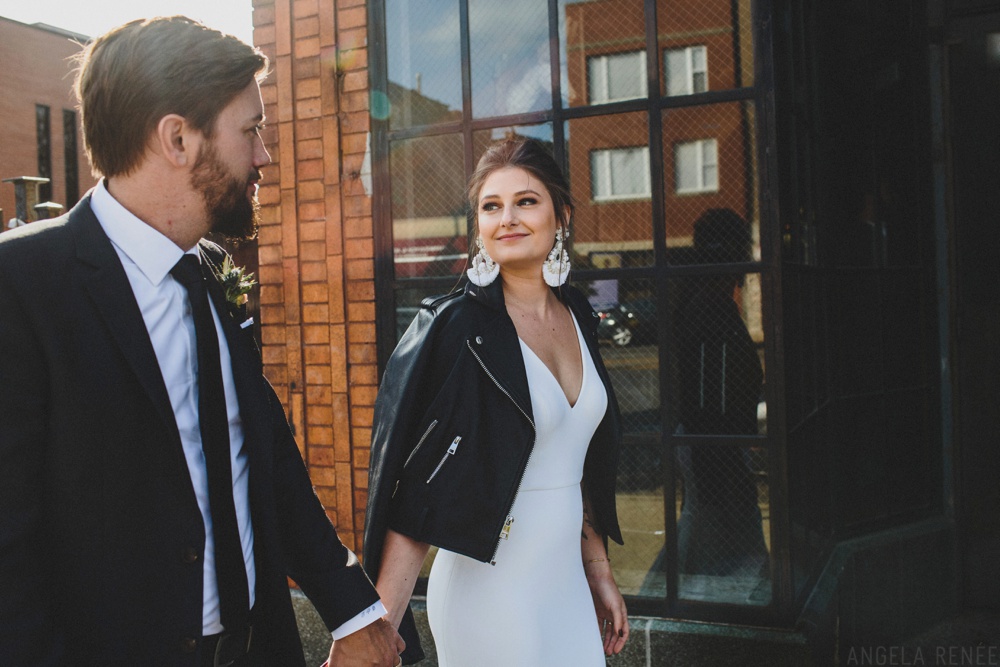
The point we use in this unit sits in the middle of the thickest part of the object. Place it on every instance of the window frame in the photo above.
(702, 187)
(689, 69)
(647, 184)
(759, 93)
(604, 59)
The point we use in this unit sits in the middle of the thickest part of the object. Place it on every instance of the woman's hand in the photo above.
(609, 605)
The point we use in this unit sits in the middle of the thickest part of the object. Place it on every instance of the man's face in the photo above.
(228, 167)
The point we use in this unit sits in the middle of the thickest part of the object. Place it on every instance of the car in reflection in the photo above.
(628, 323)
(617, 325)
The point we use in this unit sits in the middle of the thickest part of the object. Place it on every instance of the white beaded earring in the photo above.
(483, 270)
(555, 268)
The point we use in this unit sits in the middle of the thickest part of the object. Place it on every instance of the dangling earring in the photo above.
(555, 268)
(483, 270)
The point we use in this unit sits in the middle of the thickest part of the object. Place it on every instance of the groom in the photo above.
(152, 499)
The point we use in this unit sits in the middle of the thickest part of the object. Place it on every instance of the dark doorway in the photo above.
(974, 118)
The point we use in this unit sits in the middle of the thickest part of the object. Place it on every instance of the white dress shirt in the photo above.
(147, 256)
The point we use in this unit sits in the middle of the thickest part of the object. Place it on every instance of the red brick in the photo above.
(317, 313)
(310, 169)
(307, 27)
(355, 143)
(362, 455)
(321, 415)
(360, 269)
(319, 394)
(307, 68)
(362, 415)
(341, 428)
(267, 235)
(353, 102)
(362, 354)
(272, 314)
(269, 274)
(320, 456)
(310, 149)
(352, 18)
(313, 251)
(311, 190)
(338, 358)
(315, 333)
(327, 496)
(322, 475)
(364, 374)
(358, 227)
(272, 354)
(356, 81)
(310, 108)
(353, 39)
(360, 290)
(361, 333)
(309, 128)
(268, 195)
(319, 435)
(317, 375)
(264, 34)
(361, 311)
(269, 254)
(271, 294)
(315, 293)
(263, 15)
(313, 272)
(270, 215)
(302, 8)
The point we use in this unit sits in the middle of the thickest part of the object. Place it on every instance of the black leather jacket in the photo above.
(453, 431)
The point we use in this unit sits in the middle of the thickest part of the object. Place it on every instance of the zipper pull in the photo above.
(454, 445)
(505, 531)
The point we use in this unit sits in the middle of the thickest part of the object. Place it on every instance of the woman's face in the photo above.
(517, 221)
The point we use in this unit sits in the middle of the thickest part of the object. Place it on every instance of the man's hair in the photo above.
(134, 75)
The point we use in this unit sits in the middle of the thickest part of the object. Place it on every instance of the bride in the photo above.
(495, 438)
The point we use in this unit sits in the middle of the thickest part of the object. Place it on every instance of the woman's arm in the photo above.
(402, 558)
(608, 601)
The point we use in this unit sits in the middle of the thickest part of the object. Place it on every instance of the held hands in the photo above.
(609, 604)
(375, 645)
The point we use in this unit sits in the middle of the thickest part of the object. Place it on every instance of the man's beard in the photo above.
(231, 213)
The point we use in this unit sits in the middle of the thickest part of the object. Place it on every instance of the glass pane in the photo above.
(718, 346)
(723, 524)
(628, 336)
(408, 303)
(425, 66)
(511, 71)
(710, 174)
(429, 227)
(609, 178)
(706, 45)
(481, 139)
(594, 36)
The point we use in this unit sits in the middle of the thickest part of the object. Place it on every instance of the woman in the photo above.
(496, 439)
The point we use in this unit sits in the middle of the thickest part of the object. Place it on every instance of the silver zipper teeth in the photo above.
(420, 442)
(449, 452)
(493, 558)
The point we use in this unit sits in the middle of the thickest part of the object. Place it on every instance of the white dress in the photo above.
(533, 607)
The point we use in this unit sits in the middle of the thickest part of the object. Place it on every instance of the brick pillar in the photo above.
(316, 243)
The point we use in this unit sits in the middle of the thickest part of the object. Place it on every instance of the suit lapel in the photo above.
(108, 287)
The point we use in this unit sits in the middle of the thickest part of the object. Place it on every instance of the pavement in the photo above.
(970, 639)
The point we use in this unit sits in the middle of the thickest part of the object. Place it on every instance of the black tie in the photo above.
(213, 419)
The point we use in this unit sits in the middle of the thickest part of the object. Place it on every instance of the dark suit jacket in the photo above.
(100, 534)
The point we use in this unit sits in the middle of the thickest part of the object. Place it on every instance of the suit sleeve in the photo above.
(28, 634)
(327, 571)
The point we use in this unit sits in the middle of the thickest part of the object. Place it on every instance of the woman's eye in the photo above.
(527, 201)
(489, 206)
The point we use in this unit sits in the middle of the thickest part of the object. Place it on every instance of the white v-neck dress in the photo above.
(533, 607)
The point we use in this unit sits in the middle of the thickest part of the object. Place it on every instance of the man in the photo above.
(152, 499)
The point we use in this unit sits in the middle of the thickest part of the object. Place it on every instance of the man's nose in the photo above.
(261, 158)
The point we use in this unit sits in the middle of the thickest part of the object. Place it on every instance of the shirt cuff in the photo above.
(362, 620)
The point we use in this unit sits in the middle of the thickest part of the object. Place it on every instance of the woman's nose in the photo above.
(508, 219)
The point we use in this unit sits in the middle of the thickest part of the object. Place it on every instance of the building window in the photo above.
(620, 173)
(70, 158)
(696, 166)
(43, 134)
(686, 70)
(617, 76)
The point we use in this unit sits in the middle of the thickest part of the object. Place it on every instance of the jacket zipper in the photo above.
(420, 442)
(452, 448)
(505, 530)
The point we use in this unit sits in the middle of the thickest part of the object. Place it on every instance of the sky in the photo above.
(94, 17)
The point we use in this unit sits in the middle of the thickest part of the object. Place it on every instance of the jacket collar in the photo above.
(491, 296)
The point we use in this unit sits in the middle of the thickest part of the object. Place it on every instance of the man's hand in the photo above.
(377, 644)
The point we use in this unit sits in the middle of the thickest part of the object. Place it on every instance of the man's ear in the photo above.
(176, 140)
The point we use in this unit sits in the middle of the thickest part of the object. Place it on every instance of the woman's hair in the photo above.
(531, 156)
(131, 77)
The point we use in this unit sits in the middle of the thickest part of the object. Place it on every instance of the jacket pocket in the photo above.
(420, 443)
(452, 448)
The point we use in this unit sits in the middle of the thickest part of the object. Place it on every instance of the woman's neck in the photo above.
(530, 295)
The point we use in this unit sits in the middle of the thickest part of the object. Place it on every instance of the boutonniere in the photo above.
(236, 282)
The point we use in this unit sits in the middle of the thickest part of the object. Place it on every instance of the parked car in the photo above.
(618, 325)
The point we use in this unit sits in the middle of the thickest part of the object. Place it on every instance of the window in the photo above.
(620, 173)
(617, 76)
(696, 166)
(686, 70)
(70, 158)
(43, 137)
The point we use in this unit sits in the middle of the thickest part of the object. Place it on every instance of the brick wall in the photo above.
(316, 244)
(35, 70)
